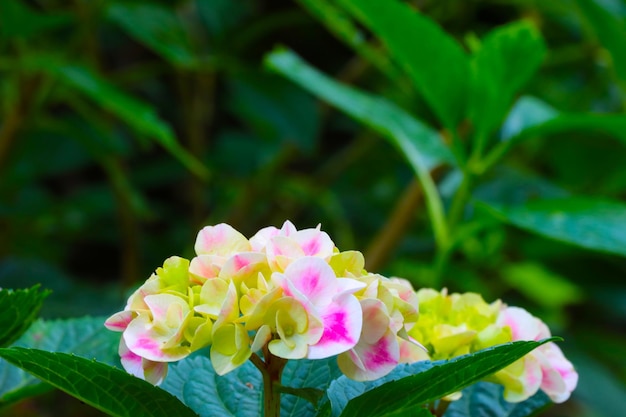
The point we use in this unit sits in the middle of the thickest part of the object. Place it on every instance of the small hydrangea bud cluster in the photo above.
(455, 324)
(293, 294)
(290, 290)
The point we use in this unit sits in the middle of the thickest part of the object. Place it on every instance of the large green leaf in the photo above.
(487, 400)
(435, 61)
(85, 337)
(102, 386)
(338, 22)
(317, 374)
(610, 31)
(137, 114)
(528, 112)
(238, 393)
(421, 145)
(531, 117)
(442, 379)
(589, 223)
(507, 58)
(155, 27)
(18, 310)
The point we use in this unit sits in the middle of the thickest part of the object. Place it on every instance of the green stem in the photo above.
(435, 208)
(459, 201)
(272, 370)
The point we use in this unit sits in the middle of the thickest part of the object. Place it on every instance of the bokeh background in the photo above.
(127, 126)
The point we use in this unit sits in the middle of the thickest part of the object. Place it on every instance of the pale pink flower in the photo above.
(313, 283)
(545, 367)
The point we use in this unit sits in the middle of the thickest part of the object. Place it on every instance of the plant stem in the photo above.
(272, 370)
(395, 227)
(442, 407)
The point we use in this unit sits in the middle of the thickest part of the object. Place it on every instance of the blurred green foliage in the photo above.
(477, 145)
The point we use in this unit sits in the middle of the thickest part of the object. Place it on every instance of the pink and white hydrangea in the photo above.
(545, 368)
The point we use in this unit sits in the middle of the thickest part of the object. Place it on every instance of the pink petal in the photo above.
(118, 322)
(203, 267)
(559, 376)
(343, 321)
(411, 351)
(311, 277)
(281, 250)
(314, 243)
(375, 360)
(244, 265)
(288, 229)
(259, 241)
(153, 372)
(376, 317)
(221, 239)
(524, 326)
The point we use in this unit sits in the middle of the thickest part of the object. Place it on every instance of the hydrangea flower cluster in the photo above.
(289, 290)
(455, 324)
(294, 295)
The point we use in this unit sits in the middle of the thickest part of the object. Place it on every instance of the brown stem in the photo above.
(197, 90)
(387, 239)
(442, 407)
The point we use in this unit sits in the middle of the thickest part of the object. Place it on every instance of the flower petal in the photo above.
(118, 322)
(222, 240)
(312, 278)
(376, 360)
(343, 322)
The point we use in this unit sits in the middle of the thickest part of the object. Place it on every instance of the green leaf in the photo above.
(222, 16)
(435, 61)
(238, 393)
(589, 223)
(421, 145)
(311, 374)
(531, 117)
(609, 124)
(487, 399)
(195, 383)
(275, 109)
(102, 386)
(442, 379)
(528, 112)
(339, 23)
(137, 114)
(19, 20)
(84, 337)
(155, 27)
(609, 30)
(542, 285)
(18, 310)
(507, 58)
